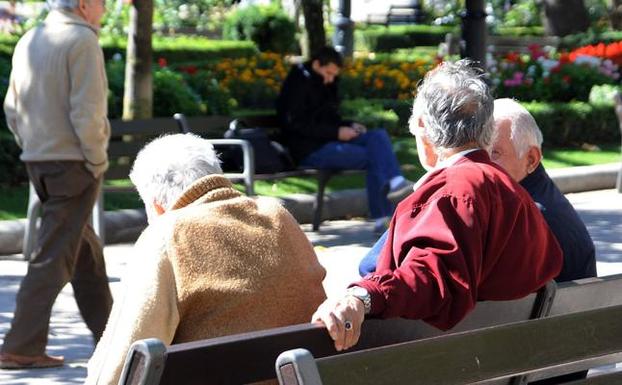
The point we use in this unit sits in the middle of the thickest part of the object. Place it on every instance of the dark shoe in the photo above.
(16, 361)
(396, 195)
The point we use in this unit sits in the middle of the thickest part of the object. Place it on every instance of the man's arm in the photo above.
(10, 109)
(147, 308)
(436, 276)
(88, 103)
(436, 280)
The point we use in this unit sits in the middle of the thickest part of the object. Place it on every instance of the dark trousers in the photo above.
(67, 250)
(371, 151)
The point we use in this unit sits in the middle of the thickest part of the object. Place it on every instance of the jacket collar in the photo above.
(207, 189)
(57, 16)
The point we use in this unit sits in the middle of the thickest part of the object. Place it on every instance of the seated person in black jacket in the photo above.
(516, 146)
(317, 136)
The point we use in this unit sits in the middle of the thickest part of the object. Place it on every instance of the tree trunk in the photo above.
(138, 92)
(314, 36)
(616, 14)
(565, 17)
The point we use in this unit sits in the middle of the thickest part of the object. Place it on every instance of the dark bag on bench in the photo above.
(270, 157)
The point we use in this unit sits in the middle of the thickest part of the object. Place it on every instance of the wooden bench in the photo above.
(491, 355)
(212, 127)
(250, 357)
(126, 139)
(500, 45)
(580, 331)
(399, 14)
(505, 44)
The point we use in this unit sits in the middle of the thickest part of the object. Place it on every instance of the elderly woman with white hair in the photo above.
(468, 232)
(211, 262)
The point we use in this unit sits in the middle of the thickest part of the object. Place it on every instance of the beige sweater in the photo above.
(218, 263)
(56, 103)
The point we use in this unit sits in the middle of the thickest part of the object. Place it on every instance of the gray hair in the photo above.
(455, 105)
(168, 165)
(524, 129)
(68, 5)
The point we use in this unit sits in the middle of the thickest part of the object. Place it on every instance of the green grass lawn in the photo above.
(14, 200)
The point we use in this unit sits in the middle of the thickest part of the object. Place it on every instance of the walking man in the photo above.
(56, 108)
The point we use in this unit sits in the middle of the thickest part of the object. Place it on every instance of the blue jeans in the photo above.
(369, 261)
(371, 151)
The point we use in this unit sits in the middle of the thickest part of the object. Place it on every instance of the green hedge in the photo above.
(178, 49)
(574, 123)
(385, 39)
(519, 31)
(183, 49)
(268, 26)
(571, 42)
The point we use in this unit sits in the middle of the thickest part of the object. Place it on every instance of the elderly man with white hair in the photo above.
(211, 262)
(468, 232)
(56, 108)
(517, 147)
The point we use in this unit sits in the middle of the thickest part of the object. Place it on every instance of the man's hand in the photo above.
(360, 128)
(343, 318)
(347, 133)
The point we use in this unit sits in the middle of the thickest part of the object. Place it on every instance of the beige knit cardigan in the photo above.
(218, 263)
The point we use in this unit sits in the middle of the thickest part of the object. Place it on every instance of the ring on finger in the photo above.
(347, 325)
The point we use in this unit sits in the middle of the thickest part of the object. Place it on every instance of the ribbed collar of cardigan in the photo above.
(207, 189)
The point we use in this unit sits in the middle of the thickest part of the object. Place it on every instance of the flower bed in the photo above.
(542, 76)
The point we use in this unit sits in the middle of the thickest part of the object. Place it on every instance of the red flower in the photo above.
(566, 79)
(162, 62)
(190, 70)
(512, 57)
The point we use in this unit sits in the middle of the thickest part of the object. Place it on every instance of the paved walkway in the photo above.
(340, 245)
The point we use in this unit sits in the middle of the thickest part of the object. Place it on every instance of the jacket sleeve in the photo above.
(88, 103)
(321, 122)
(147, 309)
(10, 109)
(436, 279)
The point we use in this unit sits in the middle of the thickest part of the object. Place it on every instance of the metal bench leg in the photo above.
(322, 180)
(30, 231)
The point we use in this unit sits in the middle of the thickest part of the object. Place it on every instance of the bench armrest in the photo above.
(297, 367)
(248, 158)
(144, 363)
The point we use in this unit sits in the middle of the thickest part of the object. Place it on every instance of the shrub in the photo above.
(591, 37)
(115, 71)
(217, 99)
(381, 39)
(268, 26)
(573, 123)
(12, 170)
(519, 31)
(171, 94)
(384, 78)
(371, 114)
(183, 49)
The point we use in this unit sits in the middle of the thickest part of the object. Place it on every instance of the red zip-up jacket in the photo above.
(468, 233)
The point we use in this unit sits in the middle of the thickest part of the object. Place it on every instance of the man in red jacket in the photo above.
(468, 232)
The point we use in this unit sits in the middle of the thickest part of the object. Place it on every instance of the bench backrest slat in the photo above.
(129, 137)
(587, 294)
(214, 361)
(493, 353)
